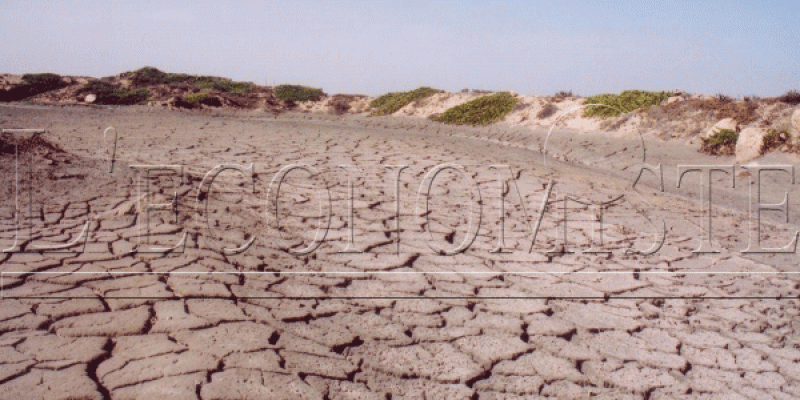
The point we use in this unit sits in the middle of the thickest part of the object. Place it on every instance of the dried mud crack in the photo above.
(378, 310)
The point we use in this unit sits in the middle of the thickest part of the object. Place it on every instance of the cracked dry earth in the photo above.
(388, 321)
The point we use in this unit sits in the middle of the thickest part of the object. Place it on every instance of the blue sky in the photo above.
(371, 47)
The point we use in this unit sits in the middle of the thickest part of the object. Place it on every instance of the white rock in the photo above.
(674, 99)
(90, 98)
(727, 123)
(796, 121)
(749, 144)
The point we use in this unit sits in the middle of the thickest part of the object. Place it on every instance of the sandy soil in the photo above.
(98, 321)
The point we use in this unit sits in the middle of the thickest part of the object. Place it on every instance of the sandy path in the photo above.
(382, 323)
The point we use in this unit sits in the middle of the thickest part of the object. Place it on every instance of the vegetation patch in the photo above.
(109, 94)
(547, 111)
(481, 111)
(391, 102)
(153, 76)
(692, 116)
(561, 95)
(32, 84)
(723, 98)
(775, 139)
(341, 103)
(743, 112)
(791, 97)
(624, 102)
(202, 98)
(297, 93)
(227, 86)
(720, 143)
(148, 76)
(196, 98)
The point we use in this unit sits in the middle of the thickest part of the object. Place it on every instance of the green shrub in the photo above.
(44, 82)
(179, 77)
(775, 139)
(109, 94)
(133, 96)
(481, 111)
(624, 102)
(153, 76)
(32, 84)
(148, 76)
(297, 93)
(195, 98)
(227, 86)
(721, 142)
(391, 102)
(202, 98)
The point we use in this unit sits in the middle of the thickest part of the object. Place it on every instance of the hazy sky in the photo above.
(371, 47)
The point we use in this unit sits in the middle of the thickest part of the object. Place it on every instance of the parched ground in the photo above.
(370, 314)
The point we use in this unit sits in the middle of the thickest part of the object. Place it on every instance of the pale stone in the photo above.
(90, 98)
(727, 123)
(749, 144)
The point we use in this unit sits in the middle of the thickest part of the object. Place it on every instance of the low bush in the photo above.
(153, 76)
(480, 111)
(224, 85)
(791, 97)
(202, 98)
(744, 112)
(561, 95)
(564, 93)
(720, 143)
(775, 139)
(391, 102)
(296, 93)
(32, 84)
(547, 111)
(43, 82)
(195, 98)
(150, 76)
(340, 103)
(624, 102)
(724, 98)
(186, 78)
(133, 96)
(109, 94)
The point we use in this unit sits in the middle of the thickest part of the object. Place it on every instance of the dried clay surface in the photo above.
(379, 310)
